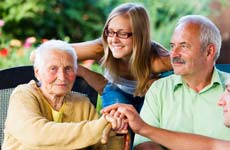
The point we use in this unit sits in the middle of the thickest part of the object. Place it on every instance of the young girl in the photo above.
(132, 62)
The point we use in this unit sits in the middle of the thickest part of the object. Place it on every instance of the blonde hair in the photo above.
(140, 61)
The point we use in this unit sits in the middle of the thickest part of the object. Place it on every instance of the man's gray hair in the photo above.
(53, 45)
(209, 33)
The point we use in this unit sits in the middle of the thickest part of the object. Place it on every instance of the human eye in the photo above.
(110, 32)
(185, 45)
(52, 69)
(122, 34)
(171, 45)
(69, 69)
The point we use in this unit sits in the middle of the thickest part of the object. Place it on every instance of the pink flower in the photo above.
(29, 42)
(2, 23)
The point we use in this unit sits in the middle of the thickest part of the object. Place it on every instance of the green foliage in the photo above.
(165, 13)
(73, 20)
(81, 20)
(15, 57)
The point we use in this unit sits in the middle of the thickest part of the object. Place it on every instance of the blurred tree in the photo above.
(165, 13)
(81, 20)
(70, 20)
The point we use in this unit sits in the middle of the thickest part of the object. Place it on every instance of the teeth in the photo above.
(117, 46)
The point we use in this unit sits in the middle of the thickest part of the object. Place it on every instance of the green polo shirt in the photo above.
(172, 105)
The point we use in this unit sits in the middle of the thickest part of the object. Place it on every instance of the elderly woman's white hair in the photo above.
(50, 46)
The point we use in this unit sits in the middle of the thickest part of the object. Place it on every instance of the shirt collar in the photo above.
(215, 80)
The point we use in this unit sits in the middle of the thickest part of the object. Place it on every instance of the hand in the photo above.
(128, 112)
(118, 124)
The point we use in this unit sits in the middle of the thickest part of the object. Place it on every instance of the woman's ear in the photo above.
(37, 73)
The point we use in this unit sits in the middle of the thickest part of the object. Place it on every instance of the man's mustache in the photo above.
(177, 60)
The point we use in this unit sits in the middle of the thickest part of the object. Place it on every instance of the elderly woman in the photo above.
(45, 114)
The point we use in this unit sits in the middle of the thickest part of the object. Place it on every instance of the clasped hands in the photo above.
(118, 123)
(121, 116)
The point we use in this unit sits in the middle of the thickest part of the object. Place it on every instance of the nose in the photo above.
(175, 50)
(222, 102)
(61, 75)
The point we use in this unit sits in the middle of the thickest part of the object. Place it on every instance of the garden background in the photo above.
(24, 24)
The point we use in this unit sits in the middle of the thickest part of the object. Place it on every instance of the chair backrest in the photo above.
(223, 67)
(11, 77)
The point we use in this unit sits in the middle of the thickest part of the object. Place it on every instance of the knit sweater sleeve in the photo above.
(26, 123)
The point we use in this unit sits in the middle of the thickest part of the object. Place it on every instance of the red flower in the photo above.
(4, 52)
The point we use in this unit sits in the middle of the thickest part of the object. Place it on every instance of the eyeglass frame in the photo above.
(118, 34)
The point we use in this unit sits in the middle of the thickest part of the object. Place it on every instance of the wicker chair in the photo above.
(11, 77)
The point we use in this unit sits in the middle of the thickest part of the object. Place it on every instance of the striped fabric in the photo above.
(4, 101)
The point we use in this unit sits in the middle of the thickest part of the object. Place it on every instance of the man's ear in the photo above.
(211, 51)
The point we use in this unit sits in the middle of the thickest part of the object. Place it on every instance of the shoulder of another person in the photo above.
(159, 49)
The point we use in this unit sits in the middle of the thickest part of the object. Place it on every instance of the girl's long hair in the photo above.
(140, 60)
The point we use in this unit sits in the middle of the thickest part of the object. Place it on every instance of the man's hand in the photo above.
(126, 112)
(118, 124)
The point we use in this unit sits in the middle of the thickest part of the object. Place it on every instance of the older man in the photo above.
(186, 101)
(45, 114)
(172, 139)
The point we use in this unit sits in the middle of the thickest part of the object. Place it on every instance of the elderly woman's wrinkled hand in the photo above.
(118, 123)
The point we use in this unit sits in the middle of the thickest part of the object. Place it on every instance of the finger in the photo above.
(127, 142)
(112, 120)
(129, 112)
(123, 129)
(111, 107)
(122, 116)
(118, 123)
(117, 114)
(112, 112)
(125, 125)
(105, 134)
